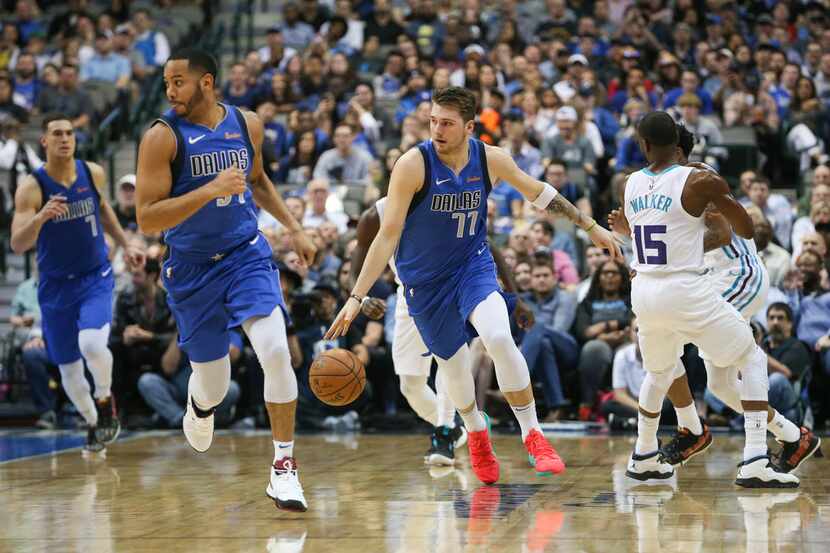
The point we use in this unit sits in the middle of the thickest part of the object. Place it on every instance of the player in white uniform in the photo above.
(738, 274)
(408, 348)
(663, 206)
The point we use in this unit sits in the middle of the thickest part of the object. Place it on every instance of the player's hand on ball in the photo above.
(304, 247)
(134, 257)
(603, 238)
(55, 207)
(344, 319)
(374, 308)
(523, 315)
(229, 182)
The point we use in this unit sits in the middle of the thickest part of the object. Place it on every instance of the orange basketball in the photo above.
(337, 377)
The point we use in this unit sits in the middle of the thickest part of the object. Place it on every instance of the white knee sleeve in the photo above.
(654, 389)
(754, 377)
(492, 322)
(269, 340)
(209, 382)
(724, 384)
(76, 387)
(420, 397)
(446, 410)
(93, 345)
(458, 378)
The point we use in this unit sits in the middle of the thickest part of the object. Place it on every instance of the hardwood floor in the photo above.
(367, 494)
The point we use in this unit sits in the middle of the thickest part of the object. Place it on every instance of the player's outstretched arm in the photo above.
(407, 178)
(29, 216)
(266, 197)
(155, 209)
(544, 196)
(703, 187)
(135, 257)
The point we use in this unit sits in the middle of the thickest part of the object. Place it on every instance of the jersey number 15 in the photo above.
(649, 250)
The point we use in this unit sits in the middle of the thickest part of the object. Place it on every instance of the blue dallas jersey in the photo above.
(447, 221)
(72, 244)
(201, 154)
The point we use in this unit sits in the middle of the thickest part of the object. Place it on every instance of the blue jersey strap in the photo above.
(422, 193)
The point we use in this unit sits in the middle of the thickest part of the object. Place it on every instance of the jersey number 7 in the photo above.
(649, 250)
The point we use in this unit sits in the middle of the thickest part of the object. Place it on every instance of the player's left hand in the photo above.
(304, 247)
(603, 238)
(523, 315)
(134, 257)
(344, 319)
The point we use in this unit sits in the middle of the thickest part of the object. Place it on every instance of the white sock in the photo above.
(687, 418)
(646, 434)
(473, 420)
(755, 427)
(526, 415)
(283, 450)
(783, 429)
(446, 410)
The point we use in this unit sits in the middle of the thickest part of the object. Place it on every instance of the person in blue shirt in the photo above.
(689, 83)
(195, 164)
(435, 224)
(60, 210)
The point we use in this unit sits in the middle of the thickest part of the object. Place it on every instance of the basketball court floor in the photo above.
(372, 493)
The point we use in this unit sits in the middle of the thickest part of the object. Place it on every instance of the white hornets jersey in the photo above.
(666, 239)
(732, 256)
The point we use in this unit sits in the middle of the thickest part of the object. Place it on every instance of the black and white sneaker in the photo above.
(459, 435)
(792, 454)
(93, 445)
(442, 447)
(649, 466)
(108, 424)
(285, 488)
(758, 472)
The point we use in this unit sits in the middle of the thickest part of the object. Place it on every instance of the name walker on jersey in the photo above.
(651, 201)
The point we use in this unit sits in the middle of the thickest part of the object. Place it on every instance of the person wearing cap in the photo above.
(569, 143)
(689, 84)
(567, 87)
(122, 44)
(106, 65)
(125, 204)
(707, 133)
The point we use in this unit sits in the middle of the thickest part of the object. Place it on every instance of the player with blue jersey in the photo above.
(435, 222)
(194, 167)
(60, 209)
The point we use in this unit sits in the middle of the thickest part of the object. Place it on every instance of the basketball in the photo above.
(337, 377)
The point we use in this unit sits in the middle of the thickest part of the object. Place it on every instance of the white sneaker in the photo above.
(648, 467)
(759, 473)
(285, 488)
(285, 542)
(197, 430)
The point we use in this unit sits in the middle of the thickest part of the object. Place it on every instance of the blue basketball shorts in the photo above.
(209, 298)
(441, 309)
(68, 306)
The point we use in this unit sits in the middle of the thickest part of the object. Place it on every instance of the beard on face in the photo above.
(194, 101)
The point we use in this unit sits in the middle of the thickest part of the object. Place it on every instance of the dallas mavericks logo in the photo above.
(213, 163)
(77, 210)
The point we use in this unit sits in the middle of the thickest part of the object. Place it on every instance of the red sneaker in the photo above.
(585, 413)
(483, 460)
(541, 454)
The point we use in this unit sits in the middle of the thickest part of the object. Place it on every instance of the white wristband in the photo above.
(543, 201)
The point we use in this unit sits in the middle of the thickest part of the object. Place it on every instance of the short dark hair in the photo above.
(557, 161)
(658, 129)
(547, 227)
(685, 139)
(781, 306)
(197, 60)
(457, 98)
(152, 266)
(54, 116)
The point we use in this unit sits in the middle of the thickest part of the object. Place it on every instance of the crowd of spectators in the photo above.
(344, 89)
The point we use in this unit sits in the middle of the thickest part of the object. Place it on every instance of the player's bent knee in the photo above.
(412, 385)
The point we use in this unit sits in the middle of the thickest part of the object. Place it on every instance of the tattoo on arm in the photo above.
(561, 206)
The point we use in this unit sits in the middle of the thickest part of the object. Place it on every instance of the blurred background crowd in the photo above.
(344, 89)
